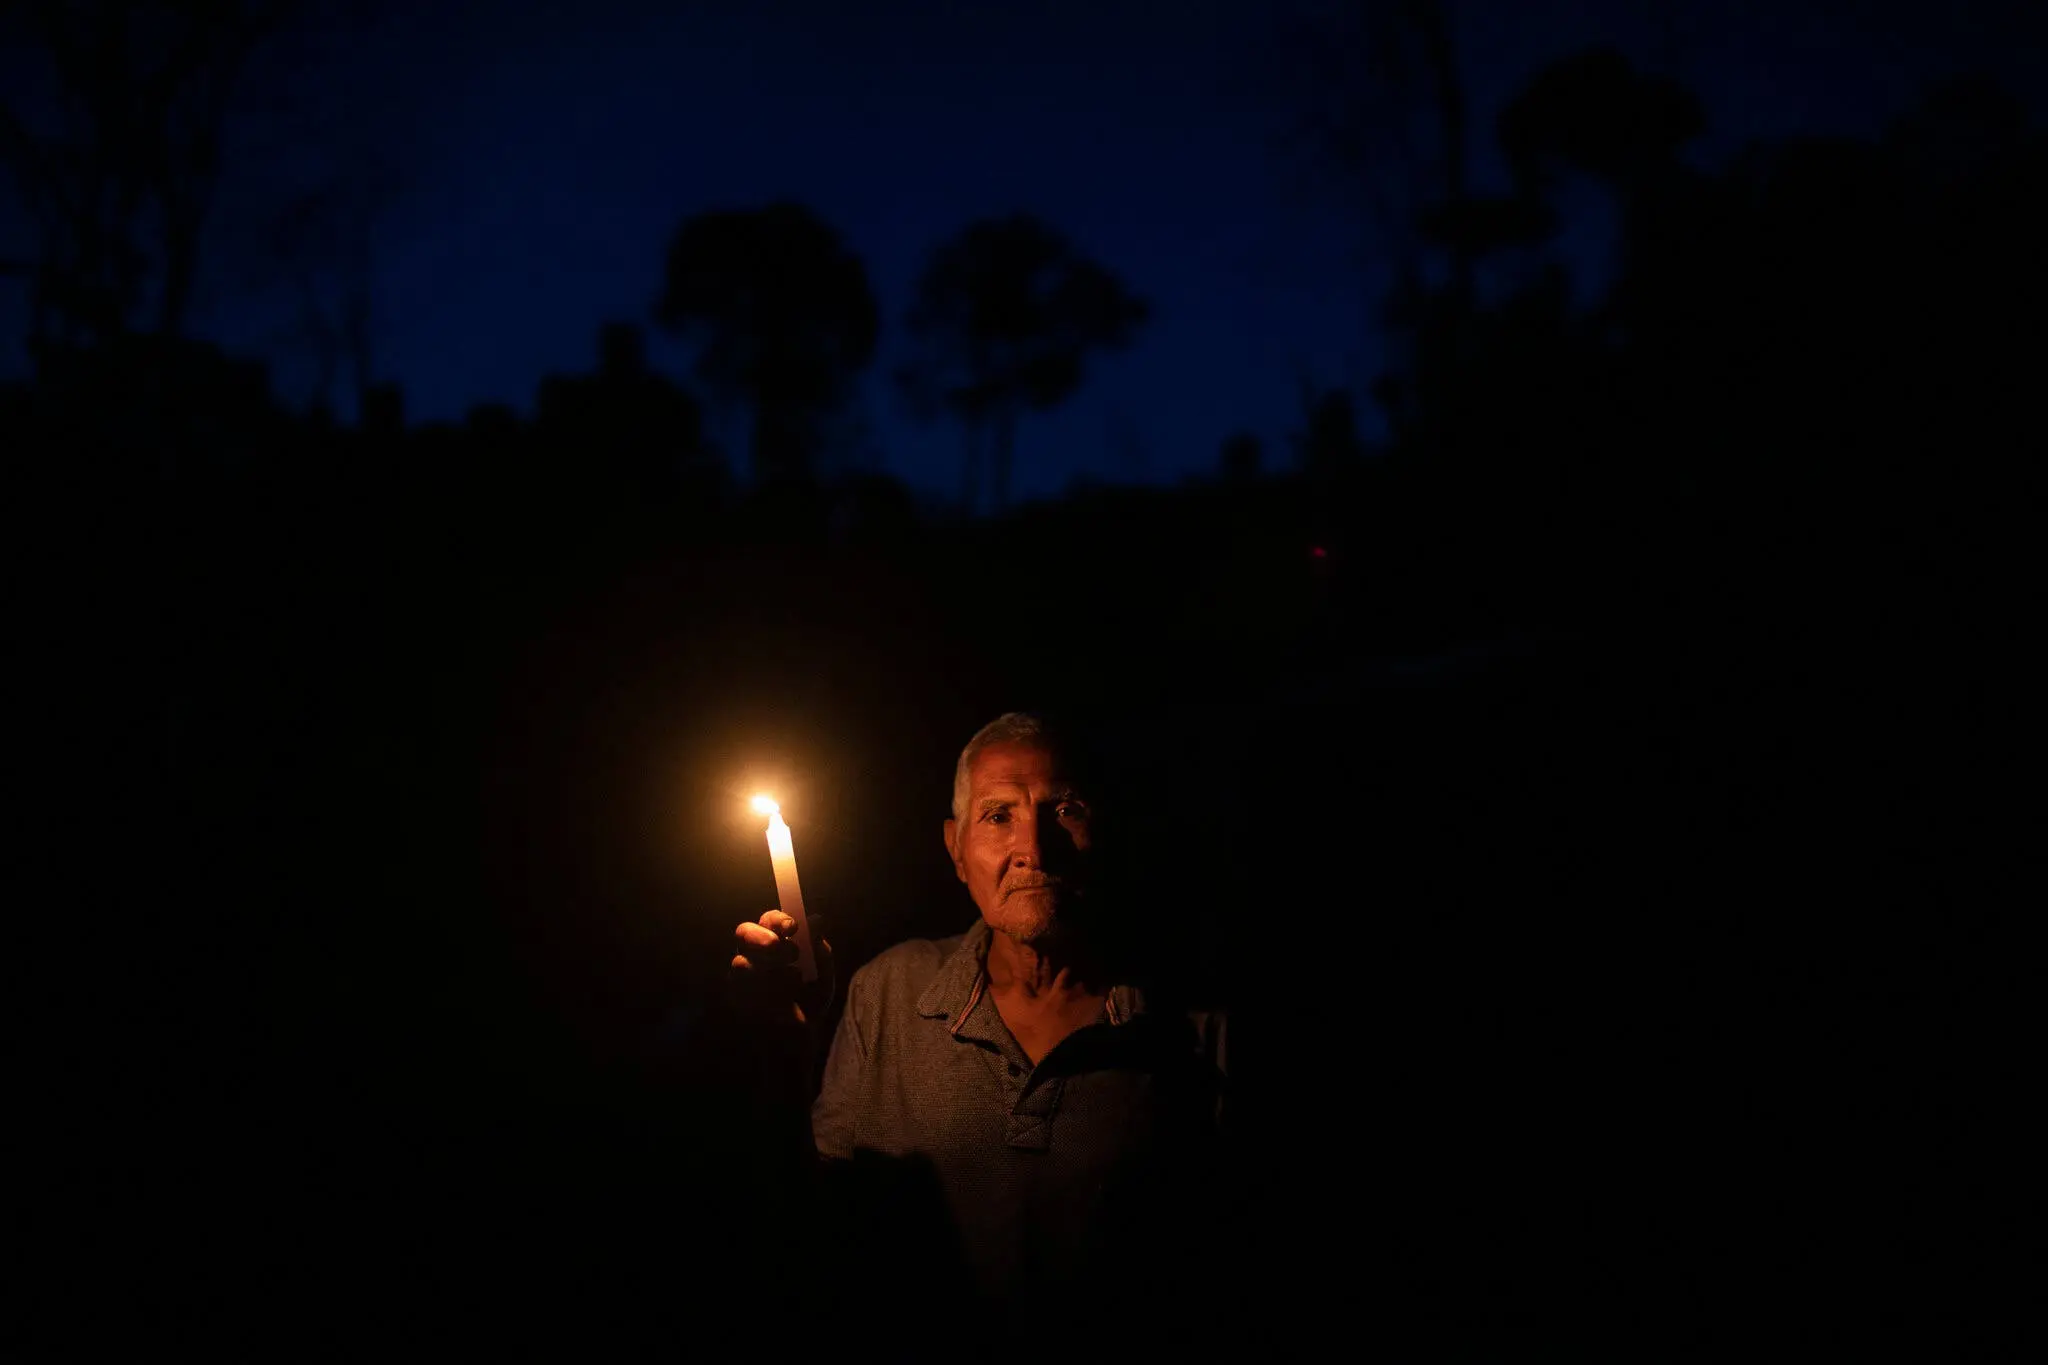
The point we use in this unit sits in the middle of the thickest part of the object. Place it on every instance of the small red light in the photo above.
(1318, 552)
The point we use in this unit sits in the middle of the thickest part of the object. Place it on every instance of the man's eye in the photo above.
(997, 817)
(1073, 810)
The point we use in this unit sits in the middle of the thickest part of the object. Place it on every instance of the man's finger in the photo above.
(756, 936)
(777, 952)
(782, 957)
(782, 924)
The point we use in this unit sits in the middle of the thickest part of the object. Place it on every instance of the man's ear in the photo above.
(952, 850)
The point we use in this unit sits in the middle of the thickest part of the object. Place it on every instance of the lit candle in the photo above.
(791, 895)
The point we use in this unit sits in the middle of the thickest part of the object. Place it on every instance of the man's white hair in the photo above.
(1010, 726)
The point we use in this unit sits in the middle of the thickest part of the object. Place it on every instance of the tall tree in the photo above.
(1005, 316)
(111, 132)
(322, 244)
(1381, 111)
(785, 318)
(1384, 117)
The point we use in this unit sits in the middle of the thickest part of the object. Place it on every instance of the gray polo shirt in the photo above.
(960, 1158)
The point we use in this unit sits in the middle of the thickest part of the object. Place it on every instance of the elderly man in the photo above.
(1002, 1109)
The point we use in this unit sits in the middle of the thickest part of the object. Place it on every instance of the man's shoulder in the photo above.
(906, 968)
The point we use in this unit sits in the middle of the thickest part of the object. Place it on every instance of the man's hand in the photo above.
(765, 973)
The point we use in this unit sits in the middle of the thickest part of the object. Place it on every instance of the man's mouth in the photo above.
(1035, 884)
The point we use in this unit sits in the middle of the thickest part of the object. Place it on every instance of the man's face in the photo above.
(1022, 844)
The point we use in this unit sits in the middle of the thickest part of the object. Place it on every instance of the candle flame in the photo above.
(764, 806)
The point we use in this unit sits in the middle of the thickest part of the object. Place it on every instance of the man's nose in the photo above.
(1024, 851)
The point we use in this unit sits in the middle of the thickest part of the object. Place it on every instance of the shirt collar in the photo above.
(947, 996)
(953, 991)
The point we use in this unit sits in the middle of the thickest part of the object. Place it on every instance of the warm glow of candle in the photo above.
(783, 855)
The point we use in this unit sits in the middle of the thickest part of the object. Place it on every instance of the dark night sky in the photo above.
(549, 151)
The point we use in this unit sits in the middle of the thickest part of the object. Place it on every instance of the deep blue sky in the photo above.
(549, 151)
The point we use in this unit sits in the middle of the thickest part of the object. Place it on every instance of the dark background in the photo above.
(1567, 749)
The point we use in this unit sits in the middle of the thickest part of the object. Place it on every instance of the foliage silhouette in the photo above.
(1005, 315)
(119, 170)
(1596, 115)
(321, 245)
(631, 433)
(1241, 457)
(785, 320)
(1330, 443)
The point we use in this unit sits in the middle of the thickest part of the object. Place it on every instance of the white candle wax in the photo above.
(790, 894)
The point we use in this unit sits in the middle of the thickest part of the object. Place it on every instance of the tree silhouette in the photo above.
(626, 430)
(112, 134)
(1385, 116)
(1005, 315)
(1593, 113)
(1588, 116)
(320, 181)
(1330, 442)
(323, 244)
(1241, 457)
(1379, 109)
(785, 317)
